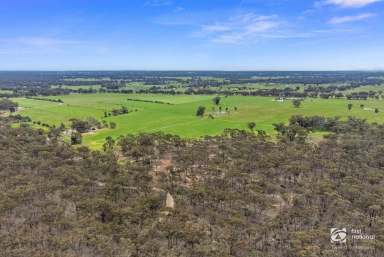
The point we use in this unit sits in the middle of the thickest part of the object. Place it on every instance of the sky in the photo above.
(191, 35)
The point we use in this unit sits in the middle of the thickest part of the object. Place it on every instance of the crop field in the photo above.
(177, 114)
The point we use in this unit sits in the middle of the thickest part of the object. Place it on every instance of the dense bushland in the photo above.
(239, 194)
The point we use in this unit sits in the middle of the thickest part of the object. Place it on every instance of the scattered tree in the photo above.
(76, 138)
(296, 103)
(84, 126)
(109, 144)
(216, 100)
(251, 125)
(200, 111)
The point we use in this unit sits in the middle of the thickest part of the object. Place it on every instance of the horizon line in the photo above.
(192, 70)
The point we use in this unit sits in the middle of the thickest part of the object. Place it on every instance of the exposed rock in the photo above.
(170, 202)
(70, 209)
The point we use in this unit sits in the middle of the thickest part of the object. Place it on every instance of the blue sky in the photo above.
(191, 34)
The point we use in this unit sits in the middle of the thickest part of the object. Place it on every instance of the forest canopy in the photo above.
(238, 194)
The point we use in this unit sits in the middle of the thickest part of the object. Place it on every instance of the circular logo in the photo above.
(338, 235)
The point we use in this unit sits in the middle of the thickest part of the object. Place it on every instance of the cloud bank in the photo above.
(241, 28)
(351, 3)
(352, 18)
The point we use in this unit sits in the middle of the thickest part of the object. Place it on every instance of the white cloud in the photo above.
(351, 3)
(216, 28)
(240, 28)
(39, 41)
(352, 18)
(157, 3)
(179, 9)
(37, 45)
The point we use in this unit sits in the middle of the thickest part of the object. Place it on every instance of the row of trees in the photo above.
(46, 99)
(115, 112)
(362, 106)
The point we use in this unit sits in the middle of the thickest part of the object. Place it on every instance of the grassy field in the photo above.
(77, 87)
(375, 88)
(179, 118)
(4, 91)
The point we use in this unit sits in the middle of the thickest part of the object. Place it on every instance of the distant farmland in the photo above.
(178, 116)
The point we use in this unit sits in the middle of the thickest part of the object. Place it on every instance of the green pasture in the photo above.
(77, 87)
(5, 91)
(179, 116)
(375, 88)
